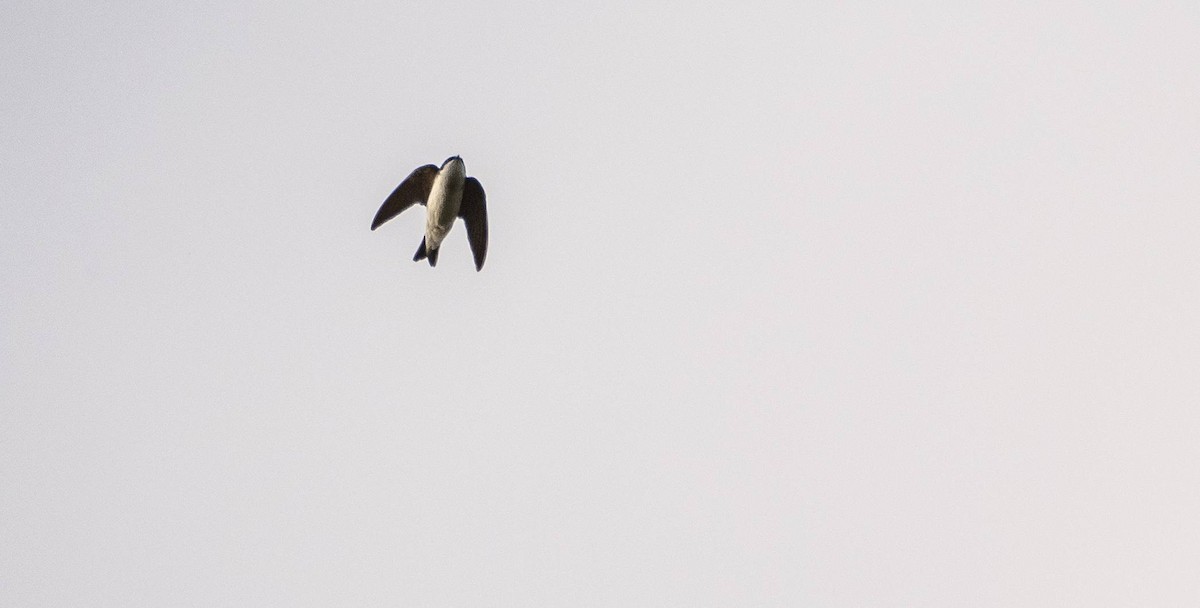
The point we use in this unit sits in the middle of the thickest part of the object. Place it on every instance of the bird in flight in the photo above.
(447, 193)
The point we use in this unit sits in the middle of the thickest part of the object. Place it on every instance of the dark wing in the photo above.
(473, 211)
(414, 189)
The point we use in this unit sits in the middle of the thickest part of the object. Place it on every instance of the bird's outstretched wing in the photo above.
(414, 189)
(473, 211)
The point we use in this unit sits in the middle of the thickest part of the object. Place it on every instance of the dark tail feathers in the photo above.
(422, 254)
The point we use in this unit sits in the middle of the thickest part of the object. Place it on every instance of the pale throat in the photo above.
(445, 198)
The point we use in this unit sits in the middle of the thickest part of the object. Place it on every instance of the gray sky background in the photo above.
(826, 304)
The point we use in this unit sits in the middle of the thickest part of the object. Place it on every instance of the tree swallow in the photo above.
(447, 193)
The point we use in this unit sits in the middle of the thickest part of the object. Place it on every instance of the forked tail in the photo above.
(423, 254)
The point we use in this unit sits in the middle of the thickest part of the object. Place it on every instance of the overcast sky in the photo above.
(826, 304)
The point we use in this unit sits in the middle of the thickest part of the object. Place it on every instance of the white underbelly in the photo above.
(436, 233)
(441, 210)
